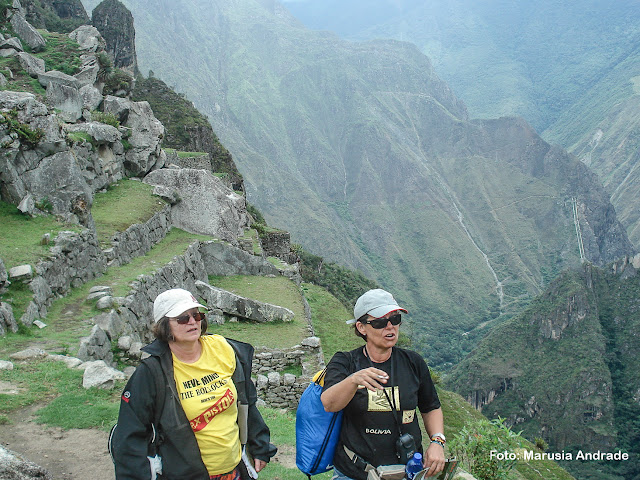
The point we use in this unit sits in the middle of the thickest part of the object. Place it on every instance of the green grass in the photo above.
(21, 234)
(191, 154)
(61, 53)
(328, 317)
(68, 318)
(69, 404)
(278, 291)
(252, 235)
(112, 210)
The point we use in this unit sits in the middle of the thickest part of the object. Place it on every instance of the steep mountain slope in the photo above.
(533, 59)
(366, 157)
(569, 68)
(565, 369)
(603, 130)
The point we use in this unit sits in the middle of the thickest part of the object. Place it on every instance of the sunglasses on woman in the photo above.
(184, 319)
(379, 323)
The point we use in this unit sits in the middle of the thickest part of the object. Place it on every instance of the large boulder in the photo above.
(89, 38)
(146, 136)
(88, 74)
(100, 132)
(207, 205)
(59, 179)
(99, 374)
(4, 276)
(7, 320)
(54, 76)
(91, 97)
(235, 305)
(34, 66)
(27, 32)
(67, 100)
(15, 467)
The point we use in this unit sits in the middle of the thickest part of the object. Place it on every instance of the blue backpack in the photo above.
(317, 431)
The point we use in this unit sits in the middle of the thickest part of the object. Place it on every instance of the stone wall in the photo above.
(75, 259)
(281, 390)
(278, 244)
(138, 239)
(199, 162)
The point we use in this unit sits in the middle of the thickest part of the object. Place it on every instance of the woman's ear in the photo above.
(361, 328)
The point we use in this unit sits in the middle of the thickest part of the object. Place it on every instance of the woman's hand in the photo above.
(336, 397)
(434, 459)
(259, 464)
(371, 378)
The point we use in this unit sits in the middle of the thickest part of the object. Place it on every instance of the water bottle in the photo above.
(414, 465)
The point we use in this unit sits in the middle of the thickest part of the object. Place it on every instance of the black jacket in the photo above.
(179, 449)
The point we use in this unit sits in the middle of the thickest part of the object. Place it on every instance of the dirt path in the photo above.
(78, 454)
(66, 454)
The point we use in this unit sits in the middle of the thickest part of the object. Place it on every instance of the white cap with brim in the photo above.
(172, 303)
(377, 303)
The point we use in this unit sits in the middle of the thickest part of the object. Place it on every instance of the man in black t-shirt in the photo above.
(378, 387)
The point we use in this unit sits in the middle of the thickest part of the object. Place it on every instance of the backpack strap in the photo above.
(153, 363)
(243, 401)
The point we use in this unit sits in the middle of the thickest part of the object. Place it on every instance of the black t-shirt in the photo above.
(368, 425)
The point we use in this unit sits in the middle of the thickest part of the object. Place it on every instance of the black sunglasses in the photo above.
(184, 319)
(379, 323)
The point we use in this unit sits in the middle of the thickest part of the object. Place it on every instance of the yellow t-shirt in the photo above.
(209, 398)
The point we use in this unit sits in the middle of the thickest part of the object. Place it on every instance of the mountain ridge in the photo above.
(367, 158)
(575, 340)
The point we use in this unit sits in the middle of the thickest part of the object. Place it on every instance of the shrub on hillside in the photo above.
(474, 445)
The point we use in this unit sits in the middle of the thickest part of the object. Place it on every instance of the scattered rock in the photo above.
(105, 302)
(21, 272)
(70, 362)
(32, 353)
(99, 374)
(5, 365)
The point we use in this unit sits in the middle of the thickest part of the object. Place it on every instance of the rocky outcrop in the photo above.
(187, 129)
(27, 32)
(237, 306)
(55, 15)
(115, 23)
(13, 466)
(67, 9)
(207, 206)
(145, 134)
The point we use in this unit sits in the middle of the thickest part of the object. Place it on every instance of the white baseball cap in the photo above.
(172, 303)
(377, 303)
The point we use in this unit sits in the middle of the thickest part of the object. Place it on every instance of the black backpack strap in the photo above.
(239, 380)
(153, 363)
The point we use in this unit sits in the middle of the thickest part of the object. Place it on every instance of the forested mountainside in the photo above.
(567, 368)
(368, 159)
(571, 69)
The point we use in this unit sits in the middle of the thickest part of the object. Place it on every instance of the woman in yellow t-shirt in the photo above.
(198, 425)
